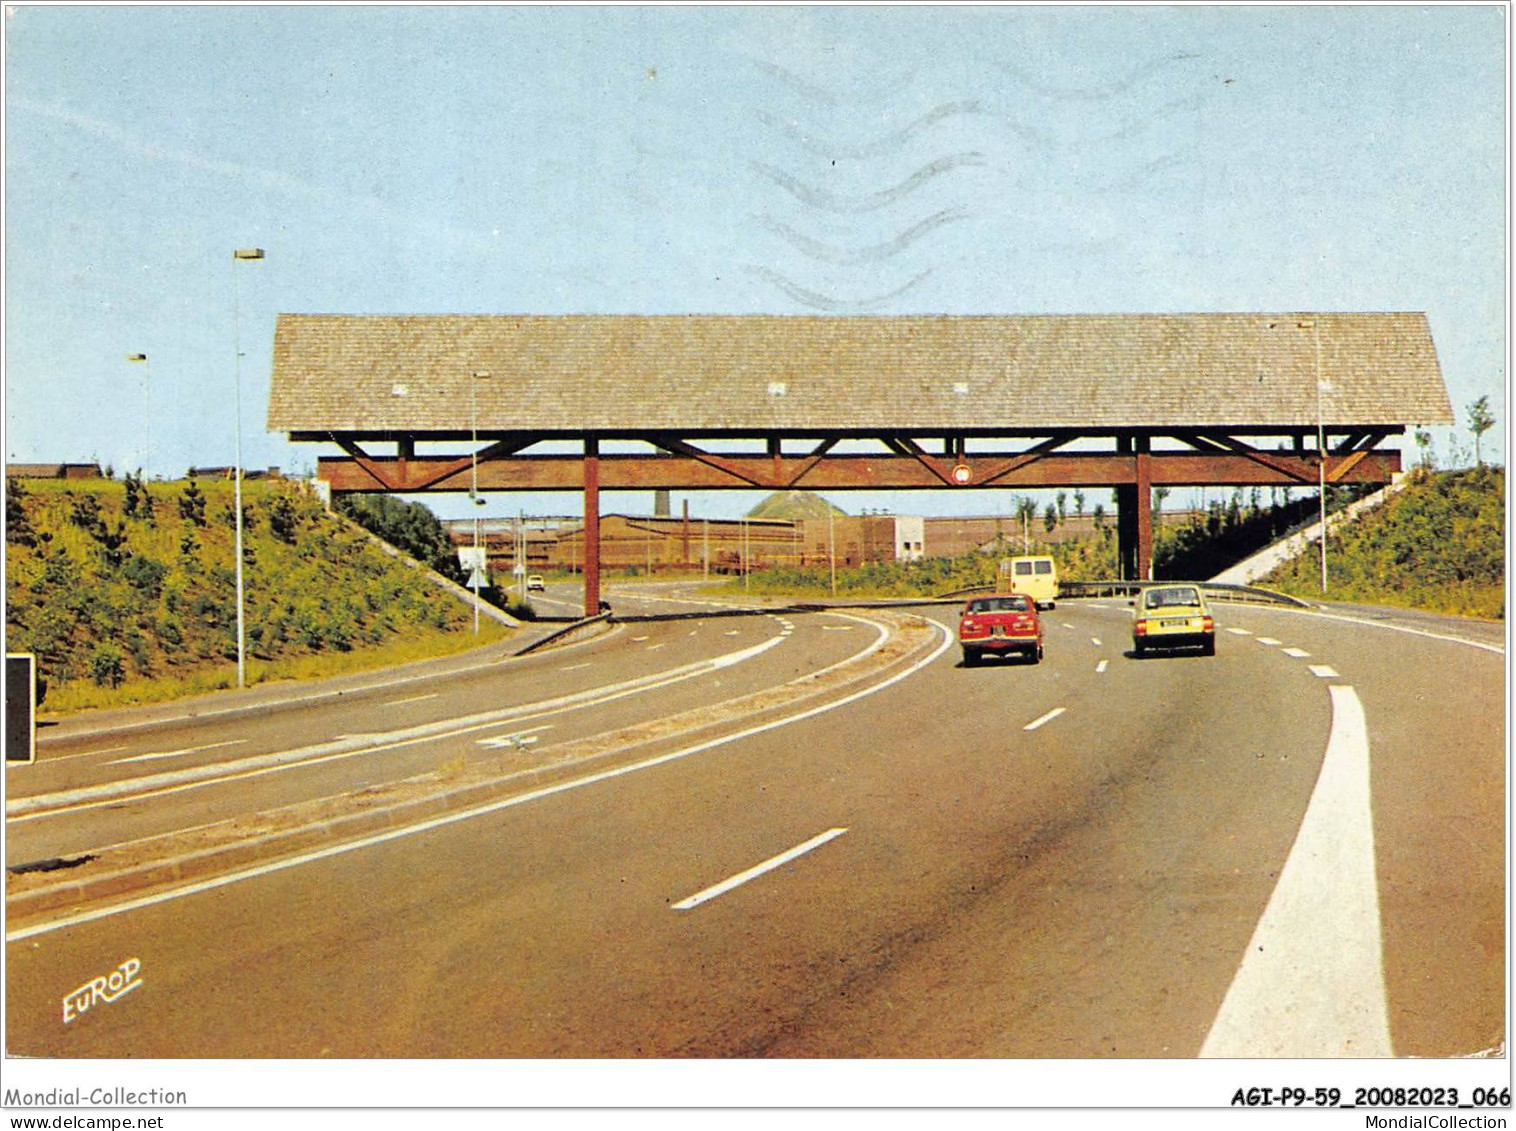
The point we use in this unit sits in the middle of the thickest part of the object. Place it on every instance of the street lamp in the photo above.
(147, 409)
(1315, 327)
(479, 563)
(240, 254)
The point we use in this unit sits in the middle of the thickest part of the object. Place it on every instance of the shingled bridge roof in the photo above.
(756, 374)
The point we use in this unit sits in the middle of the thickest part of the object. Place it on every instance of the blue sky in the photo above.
(717, 160)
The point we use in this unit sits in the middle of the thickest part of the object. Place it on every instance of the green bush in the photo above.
(107, 666)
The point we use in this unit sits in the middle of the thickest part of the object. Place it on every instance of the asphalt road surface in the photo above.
(1294, 848)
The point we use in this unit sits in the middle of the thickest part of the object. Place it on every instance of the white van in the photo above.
(1033, 575)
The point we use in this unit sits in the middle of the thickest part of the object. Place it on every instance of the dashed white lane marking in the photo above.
(1311, 983)
(1298, 653)
(836, 628)
(1269, 641)
(1101, 666)
(1240, 632)
(176, 753)
(412, 699)
(479, 811)
(732, 633)
(1066, 624)
(1095, 640)
(1324, 671)
(655, 647)
(757, 870)
(638, 639)
(1047, 718)
(573, 667)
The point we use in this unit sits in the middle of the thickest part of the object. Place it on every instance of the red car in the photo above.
(1000, 623)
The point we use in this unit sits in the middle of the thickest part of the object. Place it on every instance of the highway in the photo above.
(677, 839)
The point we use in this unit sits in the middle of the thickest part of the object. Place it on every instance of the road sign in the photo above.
(20, 707)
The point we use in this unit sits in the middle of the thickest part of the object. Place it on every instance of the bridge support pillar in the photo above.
(1134, 514)
(591, 527)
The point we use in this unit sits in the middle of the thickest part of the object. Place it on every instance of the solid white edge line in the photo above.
(756, 870)
(1047, 718)
(1495, 648)
(40, 806)
(479, 811)
(315, 697)
(1310, 983)
(176, 753)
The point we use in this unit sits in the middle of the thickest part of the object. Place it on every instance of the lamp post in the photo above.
(831, 546)
(1315, 327)
(480, 564)
(241, 254)
(147, 410)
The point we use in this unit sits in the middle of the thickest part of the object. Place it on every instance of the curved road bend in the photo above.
(97, 790)
(1069, 860)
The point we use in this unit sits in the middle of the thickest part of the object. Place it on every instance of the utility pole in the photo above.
(1314, 325)
(831, 546)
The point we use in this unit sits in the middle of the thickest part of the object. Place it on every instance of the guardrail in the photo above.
(559, 634)
(1214, 590)
(1218, 591)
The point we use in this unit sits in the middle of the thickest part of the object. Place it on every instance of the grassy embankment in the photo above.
(126, 593)
(1439, 545)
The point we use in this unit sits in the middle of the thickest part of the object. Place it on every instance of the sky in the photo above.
(794, 160)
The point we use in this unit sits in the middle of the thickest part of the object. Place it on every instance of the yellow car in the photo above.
(1172, 616)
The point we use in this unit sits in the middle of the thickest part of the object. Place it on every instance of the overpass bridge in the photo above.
(1128, 402)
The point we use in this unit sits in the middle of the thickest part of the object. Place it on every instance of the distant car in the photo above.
(1172, 616)
(1001, 623)
(535, 584)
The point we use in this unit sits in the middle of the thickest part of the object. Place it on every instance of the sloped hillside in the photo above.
(1438, 545)
(792, 505)
(126, 592)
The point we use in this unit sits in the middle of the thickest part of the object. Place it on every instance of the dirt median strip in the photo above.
(181, 857)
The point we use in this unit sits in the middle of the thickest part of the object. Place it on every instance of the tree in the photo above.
(192, 504)
(1050, 517)
(137, 502)
(1026, 510)
(1481, 420)
(18, 527)
(1079, 503)
(407, 526)
(1424, 442)
(282, 521)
